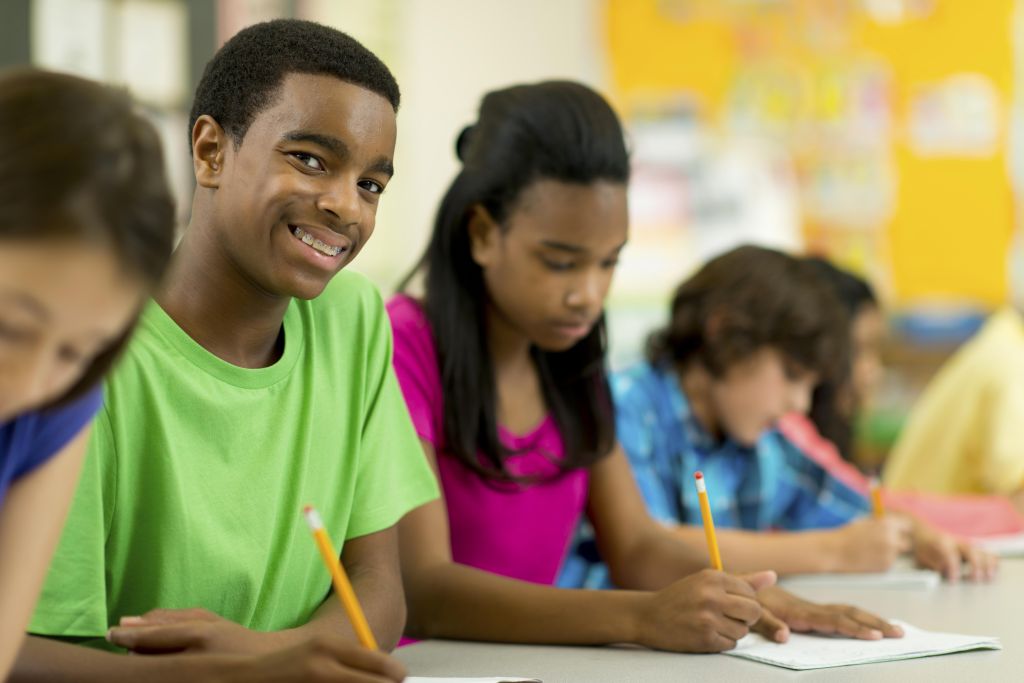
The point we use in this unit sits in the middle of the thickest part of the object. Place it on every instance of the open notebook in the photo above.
(824, 652)
(506, 679)
(894, 578)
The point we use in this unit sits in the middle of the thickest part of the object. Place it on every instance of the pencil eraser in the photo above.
(698, 475)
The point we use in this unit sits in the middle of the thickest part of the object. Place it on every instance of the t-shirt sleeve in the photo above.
(53, 429)
(394, 476)
(73, 602)
(415, 362)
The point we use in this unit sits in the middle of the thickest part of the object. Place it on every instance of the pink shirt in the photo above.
(521, 531)
(961, 515)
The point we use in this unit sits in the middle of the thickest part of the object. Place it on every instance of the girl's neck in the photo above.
(696, 382)
(214, 303)
(509, 348)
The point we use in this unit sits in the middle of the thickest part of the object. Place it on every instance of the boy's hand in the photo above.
(872, 545)
(705, 612)
(936, 550)
(321, 659)
(164, 631)
(785, 612)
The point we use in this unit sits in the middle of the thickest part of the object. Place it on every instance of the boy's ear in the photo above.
(209, 147)
(483, 235)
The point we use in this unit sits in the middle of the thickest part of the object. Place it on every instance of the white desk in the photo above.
(995, 609)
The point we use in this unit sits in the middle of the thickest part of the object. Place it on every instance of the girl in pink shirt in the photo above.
(502, 367)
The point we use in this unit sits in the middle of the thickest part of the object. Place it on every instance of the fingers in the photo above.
(155, 638)
(771, 627)
(844, 620)
(981, 566)
(371, 662)
(741, 609)
(759, 580)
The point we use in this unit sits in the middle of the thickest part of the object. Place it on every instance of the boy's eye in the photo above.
(610, 263)
(556, 265)
(309, 160)
(371, 186)
(11, 333)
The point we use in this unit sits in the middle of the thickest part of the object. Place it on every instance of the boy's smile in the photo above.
(297, 199)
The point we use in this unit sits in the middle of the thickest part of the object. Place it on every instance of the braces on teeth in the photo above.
(319, 245)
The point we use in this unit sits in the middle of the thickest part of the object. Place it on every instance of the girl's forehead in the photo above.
(592, 215)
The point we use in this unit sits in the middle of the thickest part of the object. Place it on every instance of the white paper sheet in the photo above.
(896, 578)
(823, 652)
(1010, 545)
(500, 679)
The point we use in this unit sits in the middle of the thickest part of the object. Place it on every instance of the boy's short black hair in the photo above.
(243, 77)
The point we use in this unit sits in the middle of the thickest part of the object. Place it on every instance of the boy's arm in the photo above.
(321, 659)
(371, 562)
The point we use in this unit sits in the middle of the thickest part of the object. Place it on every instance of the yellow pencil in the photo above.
(341, 583)
(876, 499)
(709, 523)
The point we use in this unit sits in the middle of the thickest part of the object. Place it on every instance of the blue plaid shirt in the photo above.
(771, 485)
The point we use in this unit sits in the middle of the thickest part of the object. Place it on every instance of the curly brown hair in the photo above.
(748, 299)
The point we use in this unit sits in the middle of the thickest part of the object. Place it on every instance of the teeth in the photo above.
(319, 245)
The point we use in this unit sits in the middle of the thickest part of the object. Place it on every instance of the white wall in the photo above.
(446, 54)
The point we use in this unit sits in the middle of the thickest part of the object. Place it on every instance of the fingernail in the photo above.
(876, 634)
(131, 621)
(109, 632)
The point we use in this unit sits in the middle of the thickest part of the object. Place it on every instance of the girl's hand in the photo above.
(164, 631)
(936, 550)
(705, 612)
(784, 612)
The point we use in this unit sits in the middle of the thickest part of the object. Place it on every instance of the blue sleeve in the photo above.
(49, 431)
(817, 500)
(639, 432)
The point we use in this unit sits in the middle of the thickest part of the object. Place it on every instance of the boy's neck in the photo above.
(215, 304)
(695, 382)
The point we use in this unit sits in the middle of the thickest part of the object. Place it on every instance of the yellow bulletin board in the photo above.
(895, 113)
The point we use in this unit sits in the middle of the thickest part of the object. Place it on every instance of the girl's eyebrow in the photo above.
(27, 303)
(574, 248)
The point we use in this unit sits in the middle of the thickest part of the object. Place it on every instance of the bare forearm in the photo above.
(786, 552)
(655, 560)
(42, 660)
(455, 601)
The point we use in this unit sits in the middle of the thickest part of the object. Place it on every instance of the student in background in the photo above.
(749, 337)
(826, 433)
(503, 369)
(259, 380)
(86, 228)
(965, 433)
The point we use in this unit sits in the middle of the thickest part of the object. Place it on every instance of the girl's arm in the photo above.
(31, 519)
(707, 612)
(639, 552)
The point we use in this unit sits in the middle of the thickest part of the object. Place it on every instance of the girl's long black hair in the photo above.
(831, 420)
(556, 130)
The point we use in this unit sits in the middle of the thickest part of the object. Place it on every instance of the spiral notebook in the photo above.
(804, 651)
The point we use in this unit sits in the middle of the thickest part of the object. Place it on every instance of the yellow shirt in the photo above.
(966, 433)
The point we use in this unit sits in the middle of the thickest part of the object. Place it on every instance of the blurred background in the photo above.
(885, 134)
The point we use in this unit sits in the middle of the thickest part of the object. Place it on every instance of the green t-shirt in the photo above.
(197, 472)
